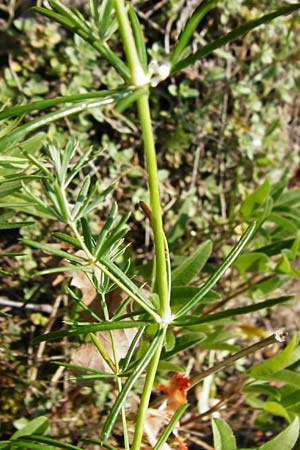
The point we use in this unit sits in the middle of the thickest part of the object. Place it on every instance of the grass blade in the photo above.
(233, 35)
(237, 249)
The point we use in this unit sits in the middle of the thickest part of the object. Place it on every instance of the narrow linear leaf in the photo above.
(12, 225)
(229, 360)
(138, 37)
(233, 35)
(124, 103)
(106, 7)
(88, 36)
(188, 31)
(72, 15)
(93, 5)
(90, 328)
(67, 238)
(237, 249)
(56, 115)
(131, 287)
(195, 320)
(84, 369)
(52, 442)
(170, 427)
(54, 251)
(18, 443)
(139, 368)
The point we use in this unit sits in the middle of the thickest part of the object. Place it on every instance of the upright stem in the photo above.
(145, 398)
(155, 206)
(150, 155)
(139, 78)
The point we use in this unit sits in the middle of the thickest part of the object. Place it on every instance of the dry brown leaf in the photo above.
(87, 355)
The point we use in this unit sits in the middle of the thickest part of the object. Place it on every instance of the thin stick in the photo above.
(276, 337)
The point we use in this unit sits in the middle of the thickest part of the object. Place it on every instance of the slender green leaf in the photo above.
(106, 12)
(256, 198)
(67, 238)
(90, 204)
(83, 305)
(105, 229)
(13, 225)
(94, 13)
(189, 29)
(43, 104)
(53, 116)
(125, 102)
(233, 35)
(190, 320)
(85, 369)
(8, 187)
(138, 37)
(237, 249)
(192, 266)
(139, 368)
(143, 300)
(87, 235)
(71, 14)
(89, 37)
(54, 251)
(170, 427)
(90, 328)
(25, 444)
(288, 198)
(52, 442)
(285, 440)
(223, 435)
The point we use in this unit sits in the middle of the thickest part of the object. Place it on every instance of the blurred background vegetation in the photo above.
(224, 127)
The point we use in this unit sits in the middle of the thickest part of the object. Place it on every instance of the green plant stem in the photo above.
(157, 224)
(145, 398)
(138, 77)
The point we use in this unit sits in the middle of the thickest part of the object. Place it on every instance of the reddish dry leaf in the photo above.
(176, 392)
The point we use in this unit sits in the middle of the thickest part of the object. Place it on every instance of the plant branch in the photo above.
(236, 356)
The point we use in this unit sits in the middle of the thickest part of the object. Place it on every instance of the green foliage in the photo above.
(224, 439)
